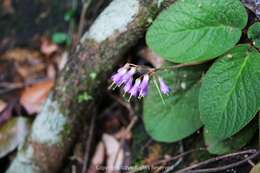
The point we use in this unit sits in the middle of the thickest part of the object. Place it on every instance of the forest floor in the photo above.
(35, 40)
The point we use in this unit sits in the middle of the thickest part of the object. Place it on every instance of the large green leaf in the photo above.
(179, 116)
(13, 133)
(197, 30)
(254, 34)
(235, 142)
(230, 93)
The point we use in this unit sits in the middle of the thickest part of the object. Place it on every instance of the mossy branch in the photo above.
(115, 31)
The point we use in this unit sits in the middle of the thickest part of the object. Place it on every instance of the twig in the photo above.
(20, 85)
(123, 103)
(179, 66)
(127, 130)
(171, 168)
(86, 4)
(72, 22)
(74, 170)
(131, 124)
(251, 163)
(146, 145)
(254, 153)
(88, 144)
(13, 86)
(164, 161)
(178, 156)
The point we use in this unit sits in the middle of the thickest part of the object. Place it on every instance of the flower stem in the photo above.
(179, 66)
(158, 89)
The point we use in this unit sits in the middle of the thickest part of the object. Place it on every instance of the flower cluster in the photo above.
(138, 87)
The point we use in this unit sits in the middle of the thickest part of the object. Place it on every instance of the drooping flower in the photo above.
(135, 89)
(163, 86)
(118, 77)
(127, 76)
(128, 85)
(143, 88)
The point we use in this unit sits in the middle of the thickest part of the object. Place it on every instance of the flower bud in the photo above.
(163, 86)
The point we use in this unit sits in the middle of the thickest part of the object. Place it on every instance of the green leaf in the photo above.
(69, 15)
(254, 34)
(179, 116)
(237, 141)
(258, 128)
(83, 97)
(61, 38)
(13, 133)
(229, 96)
(197, 30)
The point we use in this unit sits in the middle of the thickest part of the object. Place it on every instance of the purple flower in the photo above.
(143, 88)
(135, 89)
(163, 86)
(128, 85)
(127, 76)
(118, 77)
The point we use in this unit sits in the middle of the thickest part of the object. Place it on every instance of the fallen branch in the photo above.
(254, 154)
(7, 86)
(172, 167)
(88, 143)
(126, 131)
(86, 4)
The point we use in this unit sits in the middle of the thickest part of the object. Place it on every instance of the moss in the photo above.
(93, 75)
(67, 131)
(23, 162)
(49, 124)
(84, 97)
(146, 20)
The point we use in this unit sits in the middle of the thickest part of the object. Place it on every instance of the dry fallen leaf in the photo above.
(2, 105)
(21, 55)
(99, 155)
(114, 152)
(97, 159)
(28, 63)
(51, 71)
(6, 113)
(123, 134)
(255, 169)
(34, 96)
(13, 133)
(155, 152)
